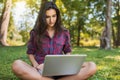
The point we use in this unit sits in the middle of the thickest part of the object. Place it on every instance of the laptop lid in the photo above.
(57, 65)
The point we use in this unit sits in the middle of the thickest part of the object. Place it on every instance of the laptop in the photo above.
(60, 65)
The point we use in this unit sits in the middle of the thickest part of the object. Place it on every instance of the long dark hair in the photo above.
(41, 25)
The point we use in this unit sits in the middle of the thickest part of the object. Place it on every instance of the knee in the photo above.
(16, 65)
(92, 68)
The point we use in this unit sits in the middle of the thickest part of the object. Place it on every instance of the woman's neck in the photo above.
(50, 29)
(51, 32)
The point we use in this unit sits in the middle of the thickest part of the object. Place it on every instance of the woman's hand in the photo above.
(40, 67)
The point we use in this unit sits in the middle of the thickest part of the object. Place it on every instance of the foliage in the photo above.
(13, 37)
(25, 35)
(87, 14)
(108, 67)
(1, 8)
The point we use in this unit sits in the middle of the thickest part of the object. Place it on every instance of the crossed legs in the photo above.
(88, 69)
(26, 72)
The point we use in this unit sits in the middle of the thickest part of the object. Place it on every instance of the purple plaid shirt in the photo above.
(59, 44)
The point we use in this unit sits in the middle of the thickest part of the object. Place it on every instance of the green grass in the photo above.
(108, 61)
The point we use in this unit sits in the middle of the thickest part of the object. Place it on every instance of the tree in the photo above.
(105, 40)
(5, 22)
(118, 24)
(75, 17)
(80, 28)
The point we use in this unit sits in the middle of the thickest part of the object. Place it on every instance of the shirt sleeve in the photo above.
(67, 46)
(31, 44)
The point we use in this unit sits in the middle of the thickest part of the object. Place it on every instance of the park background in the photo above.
(94, 27)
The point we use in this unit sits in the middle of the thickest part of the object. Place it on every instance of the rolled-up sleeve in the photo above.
(31, 44)
(67, 46)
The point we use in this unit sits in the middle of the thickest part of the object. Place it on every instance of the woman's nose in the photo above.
(51, 19)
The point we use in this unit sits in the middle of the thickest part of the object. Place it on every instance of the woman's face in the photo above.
(51, 17)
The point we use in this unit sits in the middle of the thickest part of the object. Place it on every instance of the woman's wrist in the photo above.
(35, 66)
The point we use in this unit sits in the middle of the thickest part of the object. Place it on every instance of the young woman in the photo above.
(48, 37)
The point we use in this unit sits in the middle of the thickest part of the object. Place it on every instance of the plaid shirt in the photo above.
(50, 46)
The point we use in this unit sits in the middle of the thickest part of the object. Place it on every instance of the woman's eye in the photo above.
(47, 16)
(54, 15)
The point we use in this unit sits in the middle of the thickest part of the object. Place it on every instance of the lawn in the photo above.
(108, 61)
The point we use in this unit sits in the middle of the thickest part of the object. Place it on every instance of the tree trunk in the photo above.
(105, 40)
(114, 37)
(5, 22)
(118, 25)
(78, 38)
